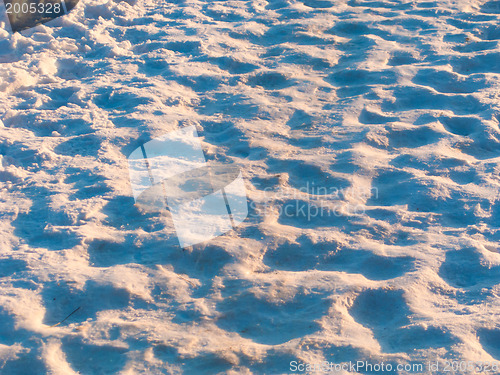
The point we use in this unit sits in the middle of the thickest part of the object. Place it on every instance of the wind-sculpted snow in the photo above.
(368, 136)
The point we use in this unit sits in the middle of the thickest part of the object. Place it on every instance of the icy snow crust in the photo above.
(392, 103)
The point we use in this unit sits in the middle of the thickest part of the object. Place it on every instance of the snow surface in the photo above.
(389, 106)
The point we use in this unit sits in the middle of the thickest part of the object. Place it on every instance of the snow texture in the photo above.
(367, 133)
